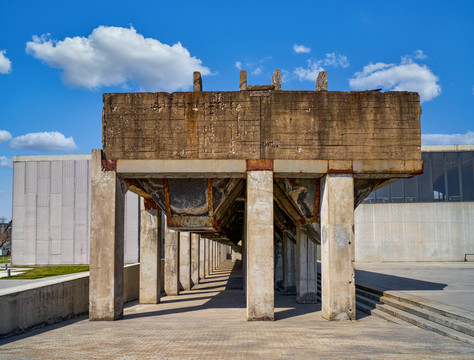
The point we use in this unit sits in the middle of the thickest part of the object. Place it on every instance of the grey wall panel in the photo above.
(131, 227)
(18, 213)
(414, 231)
(51, 212)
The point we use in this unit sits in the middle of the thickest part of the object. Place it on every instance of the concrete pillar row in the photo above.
(150, 255)
(171, 262)
(306, 269)
(185, 260)
(106, 242)
(194, 259)
(202, 272)
(207, 262)
(337, 247)
(289, 266)
(259, 236)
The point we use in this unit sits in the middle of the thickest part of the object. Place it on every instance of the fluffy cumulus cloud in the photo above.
(238, 65)
(448, 139)
(4, 136)
(314, 66)
(114, 55)
(5, 162)
(405, 76)
(301, 49)
(5, 63)
(43, 141)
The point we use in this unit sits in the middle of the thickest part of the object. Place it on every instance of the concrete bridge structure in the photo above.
(245, 169)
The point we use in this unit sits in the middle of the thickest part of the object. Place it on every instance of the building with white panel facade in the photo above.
(51, 211)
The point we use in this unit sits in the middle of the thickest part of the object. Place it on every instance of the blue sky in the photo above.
(57, 58)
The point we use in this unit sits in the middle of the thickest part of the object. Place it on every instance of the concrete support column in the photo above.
(106, 242)
(337, 247)
(289, 266)
(171, 262)
(306, 269)
(202, 271)
(260, 287)
(185, 260)
(207, 257)
(194, 259)
(150, 254)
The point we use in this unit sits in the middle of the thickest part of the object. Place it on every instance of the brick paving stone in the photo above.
(208, 322)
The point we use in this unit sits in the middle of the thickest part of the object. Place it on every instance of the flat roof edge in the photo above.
(23, 158)
(435, 148)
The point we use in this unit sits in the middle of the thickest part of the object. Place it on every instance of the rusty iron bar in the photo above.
(167, 200)
(210, 205)
(150, 204)
(259, 165)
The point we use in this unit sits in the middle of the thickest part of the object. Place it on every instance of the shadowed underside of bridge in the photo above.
(245, 167)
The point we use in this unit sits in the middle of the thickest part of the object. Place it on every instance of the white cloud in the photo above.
(448, 139)
(5, 63)
(4, 136)
(238, 65)
(115, 55)
(257, 71)
(301, 49)
(43, 141)
(419, 55)
(5, 162)
(336, 60)
(406, 76)
(316, 65)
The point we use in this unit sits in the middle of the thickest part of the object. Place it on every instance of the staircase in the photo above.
(442, 319)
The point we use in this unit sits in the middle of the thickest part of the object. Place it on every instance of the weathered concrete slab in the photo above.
(302, 125)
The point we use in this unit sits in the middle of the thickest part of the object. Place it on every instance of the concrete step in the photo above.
(441, 309)
(370, 305)
(415, 309)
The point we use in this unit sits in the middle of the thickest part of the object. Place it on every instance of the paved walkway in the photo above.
(209, 323)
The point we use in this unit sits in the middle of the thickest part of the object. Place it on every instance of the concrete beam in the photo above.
(185, 260)
(150, 255)
(106, 242)
(260, 286)
(171, 261)
(203, 168)
(306, 269)
(337, 247)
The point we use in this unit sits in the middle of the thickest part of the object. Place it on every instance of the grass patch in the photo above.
(5, 259)
(38, 272)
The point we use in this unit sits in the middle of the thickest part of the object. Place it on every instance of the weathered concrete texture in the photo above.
(107, 242)
(306, 269)
(260, 284)
(171, 261)
(184, 261)
(289, 265)
(278, 256)
(194, 259)
(306, 125)
(439, 231)
(50, 300)
(337, 247)
(202, 257)
(207, 257)
(150, 255)
(276, 79)
(322, 81)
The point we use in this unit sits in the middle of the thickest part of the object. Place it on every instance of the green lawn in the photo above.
(5, 259)
(38, 272)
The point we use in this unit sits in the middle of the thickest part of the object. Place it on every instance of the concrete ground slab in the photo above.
(209, 322)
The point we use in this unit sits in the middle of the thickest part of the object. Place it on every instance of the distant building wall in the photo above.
(442, 231)
(51, 211)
